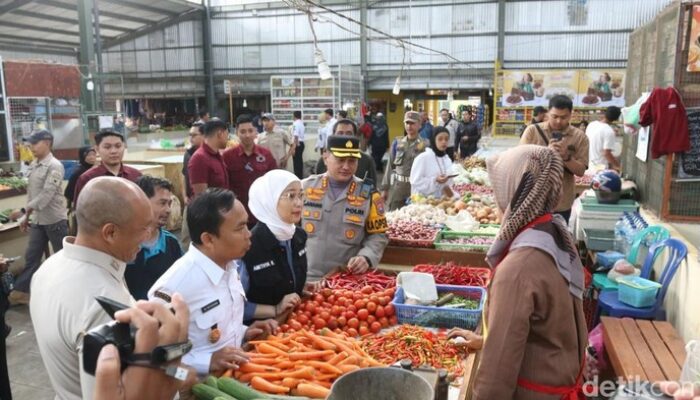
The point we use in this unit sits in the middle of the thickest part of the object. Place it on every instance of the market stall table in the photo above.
(172, 168)
(640, 349)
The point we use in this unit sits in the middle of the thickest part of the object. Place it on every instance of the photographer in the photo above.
(207, 277)
(156, 326)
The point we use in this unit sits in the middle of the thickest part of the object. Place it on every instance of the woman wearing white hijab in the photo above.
(273, 272)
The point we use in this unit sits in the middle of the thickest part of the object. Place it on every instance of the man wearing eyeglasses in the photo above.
(343, 215)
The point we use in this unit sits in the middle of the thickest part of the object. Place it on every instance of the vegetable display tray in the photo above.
(477, 233)
(468, 248)
(483, 273)
(442, 317)
(424, 243)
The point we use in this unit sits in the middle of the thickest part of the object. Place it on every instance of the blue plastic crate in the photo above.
(637, 292)
(441, 317)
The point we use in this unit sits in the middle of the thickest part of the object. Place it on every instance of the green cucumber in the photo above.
(211, 381)
(238, 390)
(206, 392)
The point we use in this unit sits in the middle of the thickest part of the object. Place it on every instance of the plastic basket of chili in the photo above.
(458, 275)
(442, 317)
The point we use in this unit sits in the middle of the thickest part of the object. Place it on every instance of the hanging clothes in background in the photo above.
(664, 108)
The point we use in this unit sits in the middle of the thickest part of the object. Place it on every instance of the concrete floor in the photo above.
(28, 376)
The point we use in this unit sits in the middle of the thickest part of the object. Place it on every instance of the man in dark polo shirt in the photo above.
(162, 249)
(247, 162)
(206, 167)
(110, 147)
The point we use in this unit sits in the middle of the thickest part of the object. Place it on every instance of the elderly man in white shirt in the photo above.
(114, 218)
(207, 278)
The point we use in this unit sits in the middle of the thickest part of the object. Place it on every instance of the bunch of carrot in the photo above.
(302, 363)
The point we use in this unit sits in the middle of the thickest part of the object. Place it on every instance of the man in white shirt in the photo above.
(601, 139)
(298, 134)
(207, 278)
(114, 218)
(326, 130)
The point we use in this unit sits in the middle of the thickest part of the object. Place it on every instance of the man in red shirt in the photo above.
(247, 162)
(206, 167)
(110, 147)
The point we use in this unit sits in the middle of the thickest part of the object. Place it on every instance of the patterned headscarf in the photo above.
(527, 184)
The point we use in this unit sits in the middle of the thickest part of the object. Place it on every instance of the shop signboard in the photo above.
(601, 88)
(529, 88)
(586, 88)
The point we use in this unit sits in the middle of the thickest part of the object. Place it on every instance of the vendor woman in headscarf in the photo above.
(535, 327)
(430, 174)
(273, 272)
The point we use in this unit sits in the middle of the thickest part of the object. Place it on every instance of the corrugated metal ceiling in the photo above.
(54, 23)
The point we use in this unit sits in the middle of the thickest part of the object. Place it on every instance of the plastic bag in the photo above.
(595, 358)
(462, 222)
(619, 265)
(691, 367)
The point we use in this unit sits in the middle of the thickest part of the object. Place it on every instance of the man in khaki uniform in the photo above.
(47, 207)
(396, 184)
(277, 140)
(342, 215)
(569, 142)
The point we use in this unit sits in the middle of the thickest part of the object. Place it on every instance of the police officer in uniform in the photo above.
(396, 184)
(343, 215)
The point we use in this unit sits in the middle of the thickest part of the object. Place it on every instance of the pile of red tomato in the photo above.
(357, 313)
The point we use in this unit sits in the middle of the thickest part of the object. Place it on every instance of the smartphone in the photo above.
(556, 136)
(453, 176)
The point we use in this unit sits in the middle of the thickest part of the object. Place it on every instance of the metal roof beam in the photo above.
(65, 6)
(25, 39)
(186, 16)
(37, 28)
(72, 21)
(13, 5)
(35, 48)
(141, 6)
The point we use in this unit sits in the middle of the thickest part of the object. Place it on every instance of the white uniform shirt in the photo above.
(426, 168)
(298, 130)
(63, 308)
(324, 132)
(216, 300)
(600, 137)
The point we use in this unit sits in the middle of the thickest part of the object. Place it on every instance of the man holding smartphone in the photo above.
(568, 141)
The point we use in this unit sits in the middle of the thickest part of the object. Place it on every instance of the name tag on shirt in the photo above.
(263, 265)
(210, 306)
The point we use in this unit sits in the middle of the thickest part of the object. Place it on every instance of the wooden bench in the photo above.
(648, 350)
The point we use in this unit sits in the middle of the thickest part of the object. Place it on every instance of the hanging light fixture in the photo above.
(450, 96)
(245, 103)
(397, 86)
(323, 69)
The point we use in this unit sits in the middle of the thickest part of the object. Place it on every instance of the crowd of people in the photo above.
(256, 238)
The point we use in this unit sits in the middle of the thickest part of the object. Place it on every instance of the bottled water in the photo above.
(619, 236)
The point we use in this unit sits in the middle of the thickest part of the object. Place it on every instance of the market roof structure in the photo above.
(52, 26)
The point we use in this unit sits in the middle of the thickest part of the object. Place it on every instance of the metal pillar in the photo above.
(86, 57)
(363, 48)
(98, 49)
(501, 29)
(208, 59)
